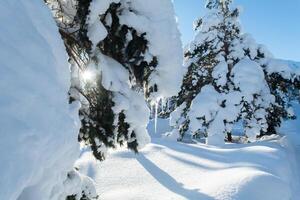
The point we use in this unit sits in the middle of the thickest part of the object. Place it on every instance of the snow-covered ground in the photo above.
(167, 169)
(171, 170)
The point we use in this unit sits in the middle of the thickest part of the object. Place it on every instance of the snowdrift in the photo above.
(38, 128)
(171, 170)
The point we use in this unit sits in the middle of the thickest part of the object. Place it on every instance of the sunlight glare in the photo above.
(88, 75)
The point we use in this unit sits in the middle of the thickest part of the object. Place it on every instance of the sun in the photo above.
(88, 75)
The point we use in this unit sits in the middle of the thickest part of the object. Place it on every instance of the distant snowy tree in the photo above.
(120, 51)
(227, 81)
(283, 78)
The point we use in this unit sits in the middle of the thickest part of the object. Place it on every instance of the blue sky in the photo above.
(274, 23)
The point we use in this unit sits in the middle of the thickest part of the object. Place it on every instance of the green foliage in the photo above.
(130, 53)
(101, 127)
(97, 119)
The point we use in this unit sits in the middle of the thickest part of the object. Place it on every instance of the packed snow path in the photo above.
(170, 170)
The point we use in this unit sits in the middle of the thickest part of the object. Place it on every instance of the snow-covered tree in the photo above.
(121, 49)
(228, 80)
(283, 78)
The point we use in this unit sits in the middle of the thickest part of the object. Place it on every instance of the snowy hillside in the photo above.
(38, 144)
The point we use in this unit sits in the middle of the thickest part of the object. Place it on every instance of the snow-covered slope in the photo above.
(38, 128)
(171, 170)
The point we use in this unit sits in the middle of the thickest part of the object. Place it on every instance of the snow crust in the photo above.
(38, 127)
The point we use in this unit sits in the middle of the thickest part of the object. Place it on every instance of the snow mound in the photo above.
(180, 171)
(38, 145)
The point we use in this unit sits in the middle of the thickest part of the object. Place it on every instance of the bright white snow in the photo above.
(156, 18)
(166, 169)
(171, 170)
(291, 129)
(38, 127)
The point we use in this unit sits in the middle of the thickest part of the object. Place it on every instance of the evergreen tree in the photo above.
(119, 54)
(284, 83)
(119, 43)
(228, 80)
(101, 126)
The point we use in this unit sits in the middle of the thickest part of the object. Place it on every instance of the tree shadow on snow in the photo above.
(230, 153)
(169, 182)
(231, 156)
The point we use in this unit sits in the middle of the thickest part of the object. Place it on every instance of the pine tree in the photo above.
(101, 126)
(284, 83)
(227, 81)
(119, 43)
(119, 53)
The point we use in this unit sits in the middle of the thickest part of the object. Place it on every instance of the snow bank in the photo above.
(38, 128)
